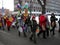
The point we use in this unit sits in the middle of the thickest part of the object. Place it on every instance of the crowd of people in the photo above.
(6, 21)
(26, 24)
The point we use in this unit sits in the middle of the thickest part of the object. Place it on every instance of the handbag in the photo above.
(20, 29)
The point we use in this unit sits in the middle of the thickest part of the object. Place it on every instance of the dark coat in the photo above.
(28, 21)
(34, 25)
(53, 19)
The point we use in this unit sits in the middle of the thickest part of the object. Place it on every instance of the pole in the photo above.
(2, 3)
(2, 8)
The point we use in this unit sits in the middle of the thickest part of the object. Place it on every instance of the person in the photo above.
(28, 23)
(3, 24)
(0, 22)
(33, 29)
(13, 18)
(53, 23)
(22, 25)
(42, 25)
(5, 19)
(8, 23)
(19, 7)
(59, 25)
(47, 26)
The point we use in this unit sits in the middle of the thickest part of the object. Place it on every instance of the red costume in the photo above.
(42, 20)
(8, 22)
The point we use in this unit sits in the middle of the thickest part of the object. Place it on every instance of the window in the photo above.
(34, 10)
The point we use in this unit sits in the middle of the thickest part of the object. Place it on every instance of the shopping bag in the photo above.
(13, 24)
(20, 29)
(37, 31)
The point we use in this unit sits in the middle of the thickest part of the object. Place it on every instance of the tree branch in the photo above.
(44, 1)
(39, 2)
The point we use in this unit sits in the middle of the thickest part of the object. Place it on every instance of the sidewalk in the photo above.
(1, 43)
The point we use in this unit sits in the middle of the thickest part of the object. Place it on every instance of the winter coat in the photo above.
(34, 25)
(53, 21)
(8, 23)
(28, 22)
(42, 20)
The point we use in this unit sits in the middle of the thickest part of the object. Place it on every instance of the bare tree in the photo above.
(43, 5)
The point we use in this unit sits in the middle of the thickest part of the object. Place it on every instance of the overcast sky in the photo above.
(7, 4)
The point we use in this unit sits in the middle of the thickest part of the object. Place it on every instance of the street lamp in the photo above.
(2, 8)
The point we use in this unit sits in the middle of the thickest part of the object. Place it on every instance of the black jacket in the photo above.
(53, 19)
(28, 22)
(34, 25)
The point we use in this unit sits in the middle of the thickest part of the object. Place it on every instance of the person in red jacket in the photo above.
(8, 24)
(42, 25)
(33, 29)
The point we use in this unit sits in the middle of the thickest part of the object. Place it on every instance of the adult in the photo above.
(42, 25)
(53, 22)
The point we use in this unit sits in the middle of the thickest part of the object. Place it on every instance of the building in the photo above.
(34, 4)
(51, 5)
(6, 11)
(15, 3)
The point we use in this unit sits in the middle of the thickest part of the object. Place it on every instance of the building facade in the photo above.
(51, 5)
(15, 3)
